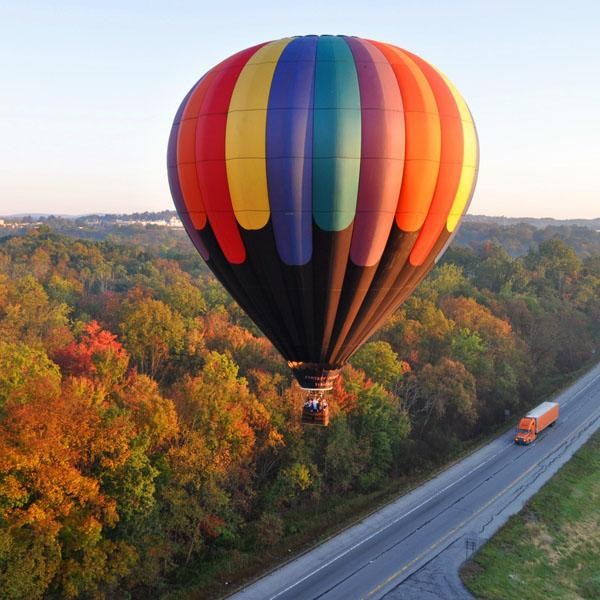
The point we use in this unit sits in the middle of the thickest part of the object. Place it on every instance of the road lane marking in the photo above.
(583, 389)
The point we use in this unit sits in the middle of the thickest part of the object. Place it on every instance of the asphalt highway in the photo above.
(373, 557)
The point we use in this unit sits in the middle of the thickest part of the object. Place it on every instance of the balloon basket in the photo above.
(315, 410)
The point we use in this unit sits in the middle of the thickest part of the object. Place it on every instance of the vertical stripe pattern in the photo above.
(336, 135)
(289, 157)
(245, 143)
(321, 177)
(382, 153)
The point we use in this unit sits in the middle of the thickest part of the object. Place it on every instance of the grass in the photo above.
(551, 549)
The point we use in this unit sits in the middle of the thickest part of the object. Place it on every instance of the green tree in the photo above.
(554, 262)
(446, 280)
(468, 348)
(152, 332)
(222, 427)
(448, 400)
(178, 290)
(380, 425)
(24, 373)
(497, 271)
(380, 363)
(28, 315)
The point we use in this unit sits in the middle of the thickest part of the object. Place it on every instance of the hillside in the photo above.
(517, 236)
(539, 223)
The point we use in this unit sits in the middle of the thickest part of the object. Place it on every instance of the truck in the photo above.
(542, 416)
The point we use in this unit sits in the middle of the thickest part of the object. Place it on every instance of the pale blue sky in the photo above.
(89, 90)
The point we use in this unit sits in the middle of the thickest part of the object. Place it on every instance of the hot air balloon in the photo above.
(321, 178)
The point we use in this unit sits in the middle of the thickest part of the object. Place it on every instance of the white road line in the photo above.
(583, 389)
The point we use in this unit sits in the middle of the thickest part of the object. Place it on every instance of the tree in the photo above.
(496, 270)
(155, 417)
(64, 291)
(25, 373)
(178, 291)
(343, 459)
(469, 348)
(27, 315)
(152, 332)
(98, 355)
(53, 509)
(490, 350)
(367, 438)
(446, 280)
(210, 466)
(554, 262)
(380, 363)
(449, 401)
(426, 332)
(380, 425)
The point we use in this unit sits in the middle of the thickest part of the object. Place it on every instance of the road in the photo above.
(374, 557)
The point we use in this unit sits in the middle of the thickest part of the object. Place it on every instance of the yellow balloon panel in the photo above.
(245, 149)
(469, 170)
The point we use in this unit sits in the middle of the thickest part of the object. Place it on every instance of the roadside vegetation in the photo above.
(150, 443)
(551, 548)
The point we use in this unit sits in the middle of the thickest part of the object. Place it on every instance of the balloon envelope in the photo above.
(320, 178)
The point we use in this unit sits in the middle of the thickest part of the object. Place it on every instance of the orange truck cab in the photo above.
(542, 416)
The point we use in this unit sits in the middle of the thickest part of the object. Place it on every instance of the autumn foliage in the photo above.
(149, 434)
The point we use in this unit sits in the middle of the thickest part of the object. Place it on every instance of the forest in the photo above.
(517, 236)
(150, 442)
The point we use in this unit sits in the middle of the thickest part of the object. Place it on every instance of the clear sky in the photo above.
(89, 90)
